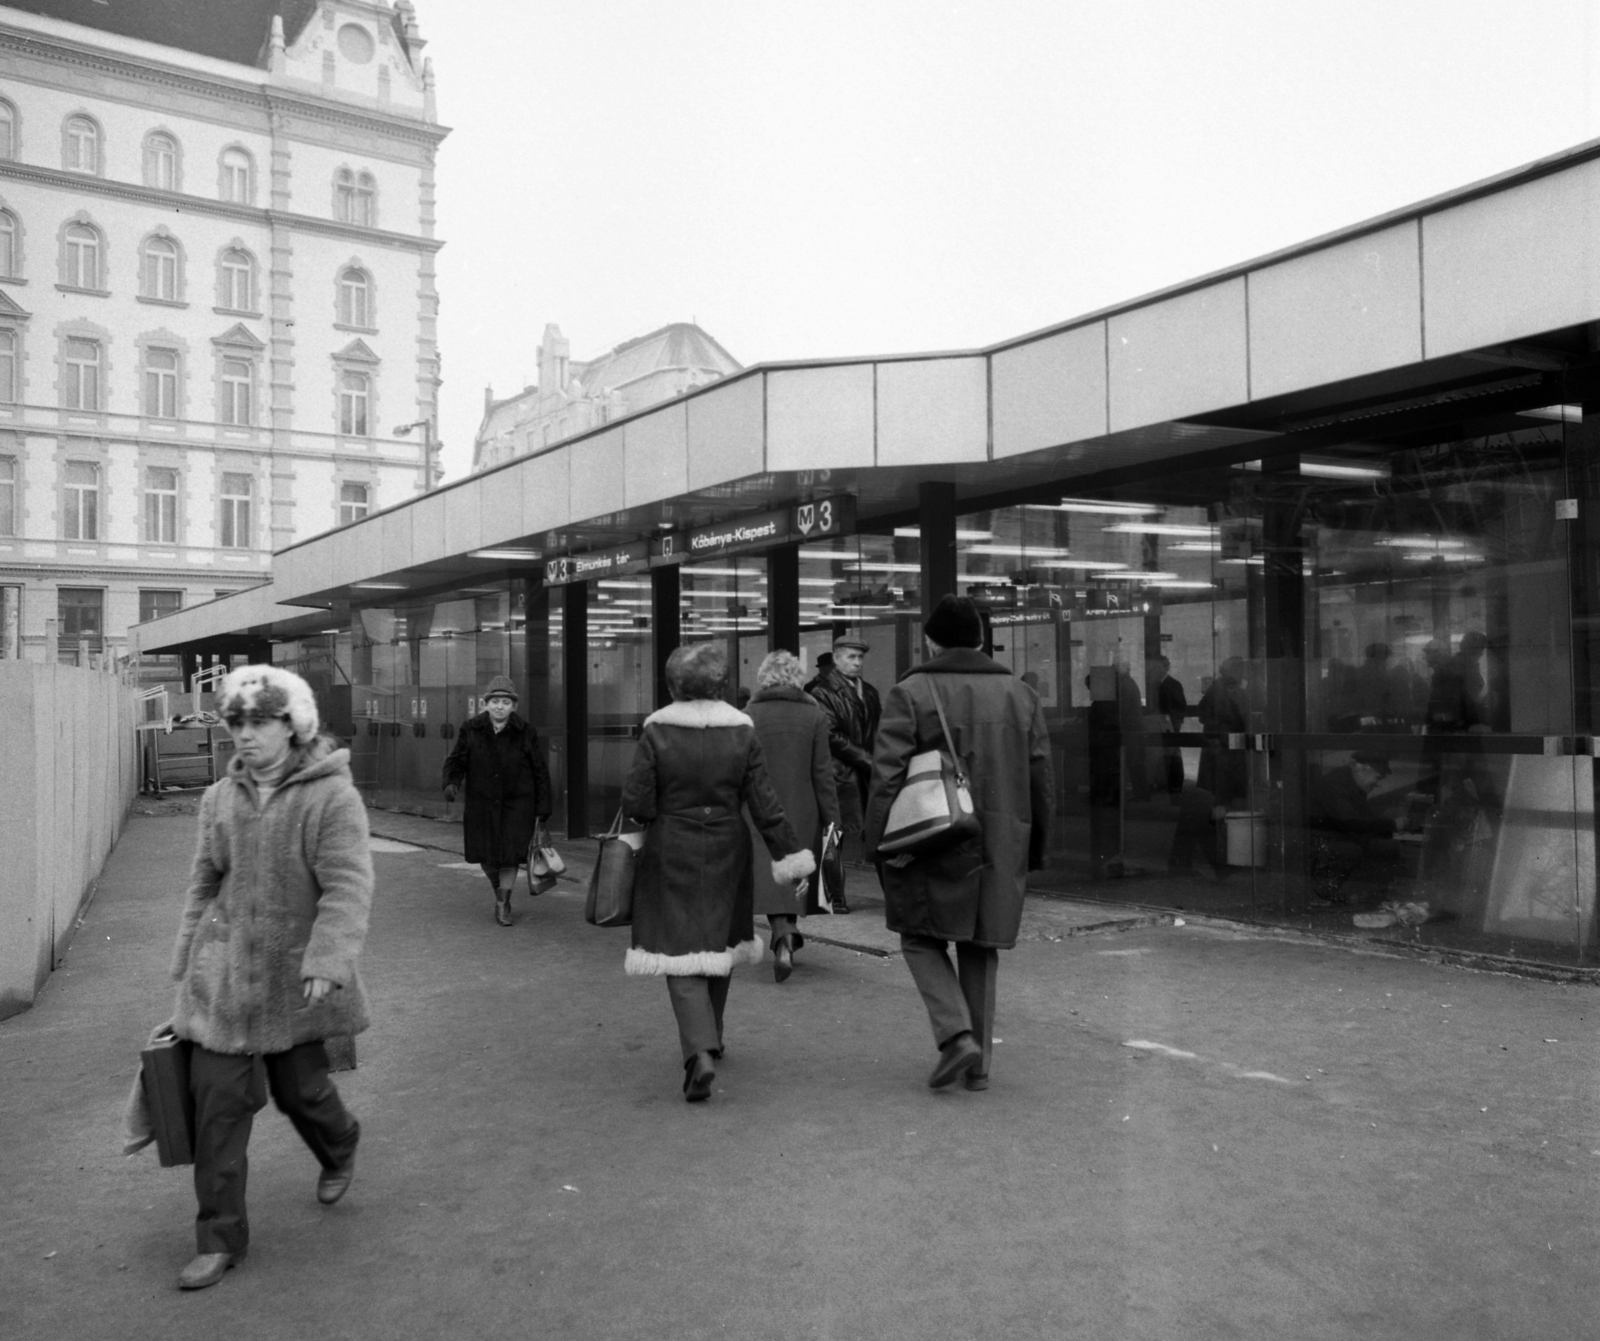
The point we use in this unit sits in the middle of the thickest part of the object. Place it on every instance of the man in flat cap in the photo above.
(970, 893)
(853, 710)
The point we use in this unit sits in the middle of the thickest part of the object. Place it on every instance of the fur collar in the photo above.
(700, 713)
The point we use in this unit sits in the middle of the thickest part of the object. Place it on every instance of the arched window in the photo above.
(355, 402)
(237, 287)
(8, 245)
(159, 274)
(355, 197)
(80, 256)
(237, 179)
(8, 129)
(355, 297)
(81, 145)
(161, 161)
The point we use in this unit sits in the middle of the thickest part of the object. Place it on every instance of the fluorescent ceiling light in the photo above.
(830, 554)
(754, 573)
(1420, 542)
(379, 586)
(528, 554)
(1568, 414)
(1087, 565)
(1162, 528)
(1255, 560)
(1331, 468)
(1090, 505)
(1137, 575)
(1196, 547)
(915, 533)
(1169, 585)
(630, 584)
(1453, 556)
(888, 568)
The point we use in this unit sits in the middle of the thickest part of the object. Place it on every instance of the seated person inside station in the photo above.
(1354, 856)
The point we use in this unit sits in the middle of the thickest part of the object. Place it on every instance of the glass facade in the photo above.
(1346, 689)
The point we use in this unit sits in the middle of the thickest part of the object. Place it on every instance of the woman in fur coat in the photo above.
(698, 765)
(793, 730)
(273, 922)
(497, 758)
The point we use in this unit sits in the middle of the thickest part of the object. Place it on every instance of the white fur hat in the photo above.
(270, 691)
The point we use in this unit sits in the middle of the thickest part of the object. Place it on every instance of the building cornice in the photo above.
(256, 94)
(101, 572)
(83, 183)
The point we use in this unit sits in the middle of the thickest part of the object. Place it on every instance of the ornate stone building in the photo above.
(572, 398)
(217, 298)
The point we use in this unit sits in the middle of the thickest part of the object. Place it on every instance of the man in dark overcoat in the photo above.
(971, 893)
(853, 709)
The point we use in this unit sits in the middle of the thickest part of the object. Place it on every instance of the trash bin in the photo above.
(1246, 837)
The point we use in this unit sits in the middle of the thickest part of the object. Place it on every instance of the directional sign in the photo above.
(615, 559)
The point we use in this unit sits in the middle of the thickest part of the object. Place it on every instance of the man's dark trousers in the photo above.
(960, 998)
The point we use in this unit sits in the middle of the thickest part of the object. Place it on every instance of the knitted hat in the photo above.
(270, 691)
(955, 623)
(501, 686)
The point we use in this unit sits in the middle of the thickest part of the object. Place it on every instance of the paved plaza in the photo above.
(1193, 1132)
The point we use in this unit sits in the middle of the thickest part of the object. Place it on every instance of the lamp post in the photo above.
(426, 425)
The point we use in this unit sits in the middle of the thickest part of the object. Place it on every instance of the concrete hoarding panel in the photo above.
(1340, 312)
(934, 410)
(1050, 391)
(463, 514)
(1179, 356)
(545, 479)
(727, 433)
(820, 418)
(597, 482)
(1513, 264)
(656, 455)
(68, 736)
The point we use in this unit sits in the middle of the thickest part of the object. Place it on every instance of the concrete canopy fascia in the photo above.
(596, 487)
(728, 432)
(932, 408)
(656, 456)
(822, 418)
(545, 482)
(1050, 391)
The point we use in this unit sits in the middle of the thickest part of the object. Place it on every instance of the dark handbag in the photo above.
(933, 808)
(164, 1073)
(610, 900)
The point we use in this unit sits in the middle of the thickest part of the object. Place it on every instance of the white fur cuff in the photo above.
(697, 964)
(796, 866)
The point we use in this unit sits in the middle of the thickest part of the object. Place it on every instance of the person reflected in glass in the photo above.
(498, 761)
(273, 922)
(1173, 705)
(793, 731)
(697, 770)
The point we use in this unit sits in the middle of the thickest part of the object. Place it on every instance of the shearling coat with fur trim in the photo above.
(278, 892)
(697, 767)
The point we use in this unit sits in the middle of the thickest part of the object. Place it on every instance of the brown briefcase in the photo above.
(164, 1073)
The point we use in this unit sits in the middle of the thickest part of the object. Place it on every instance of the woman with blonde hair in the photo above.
(697, 767)
(793, 731)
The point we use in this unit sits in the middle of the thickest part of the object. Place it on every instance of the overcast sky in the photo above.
(841, 177)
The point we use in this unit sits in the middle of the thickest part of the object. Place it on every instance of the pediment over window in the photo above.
(9, 308)
(240, 337)
(357, 351)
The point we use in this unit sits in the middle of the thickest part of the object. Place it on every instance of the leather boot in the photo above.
(502, 906)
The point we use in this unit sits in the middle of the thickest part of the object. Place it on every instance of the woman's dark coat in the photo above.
(507, 788)
(793, 731)
(697, 766)
(974, 891)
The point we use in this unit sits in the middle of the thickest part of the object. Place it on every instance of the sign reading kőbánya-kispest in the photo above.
(797, 523)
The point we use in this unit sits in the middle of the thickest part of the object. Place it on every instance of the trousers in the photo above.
(698, 1003)
(960, 998)
(228, 1092)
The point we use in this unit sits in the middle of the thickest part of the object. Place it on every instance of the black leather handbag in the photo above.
(610, 900)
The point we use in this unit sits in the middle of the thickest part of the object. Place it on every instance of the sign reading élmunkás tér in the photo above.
(796, 524)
